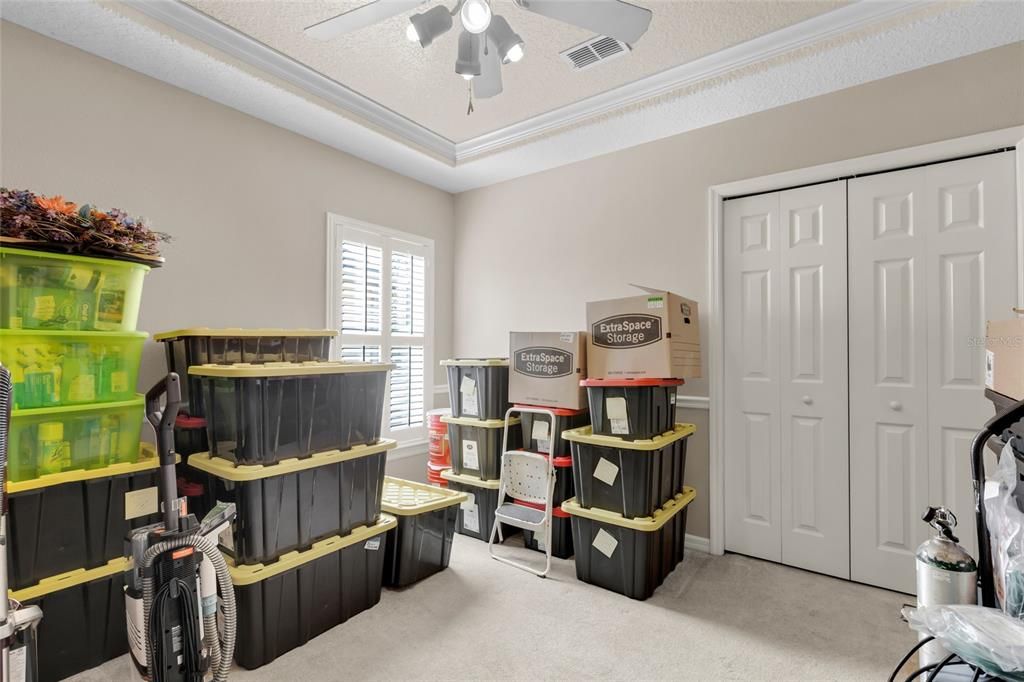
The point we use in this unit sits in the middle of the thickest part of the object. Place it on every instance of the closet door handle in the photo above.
(807, 400)
(895, 405)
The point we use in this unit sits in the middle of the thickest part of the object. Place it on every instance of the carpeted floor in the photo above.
(714, 618)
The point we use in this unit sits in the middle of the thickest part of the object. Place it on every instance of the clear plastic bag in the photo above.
(1005, 522)
(984, 637)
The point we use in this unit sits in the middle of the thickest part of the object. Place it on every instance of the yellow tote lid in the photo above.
(450, 475)
(585, 434)
(480, 423)
(406, 498)
(646, 524)
(230, 332)
(241, 370)
(226, 469)
(138, 402)
(79, 576)
(147, 460)
(74, 258)
(475, 362)
(250, 574)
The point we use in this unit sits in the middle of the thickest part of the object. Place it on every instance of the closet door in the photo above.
(786, 444)
(932, 256)
(813, 417)
(888, 376)
(753, 523)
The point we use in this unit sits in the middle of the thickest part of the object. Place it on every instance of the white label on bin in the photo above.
(618, 417)
(16, 664)
(141, 503)
(605, 543)
(470, 501)
(470, 455)
(468, 390)
(539, 433)
(605, 471)
(373, 544)
(990, 369)
(471, 518)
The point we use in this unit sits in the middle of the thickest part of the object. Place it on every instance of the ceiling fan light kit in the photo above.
(425, 27)
(488, 41)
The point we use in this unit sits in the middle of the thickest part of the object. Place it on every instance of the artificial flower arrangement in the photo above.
(30, 220)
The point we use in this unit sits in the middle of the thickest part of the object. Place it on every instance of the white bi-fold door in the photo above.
(932, 255)
(786, 439)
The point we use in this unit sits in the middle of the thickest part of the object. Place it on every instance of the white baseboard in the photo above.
(697, 543)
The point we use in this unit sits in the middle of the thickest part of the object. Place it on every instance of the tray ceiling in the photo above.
(420, 84)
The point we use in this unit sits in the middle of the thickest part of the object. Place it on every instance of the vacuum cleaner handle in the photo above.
(994, 427)
(163, 419)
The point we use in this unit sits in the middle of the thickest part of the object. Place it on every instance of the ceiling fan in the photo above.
(487, 40)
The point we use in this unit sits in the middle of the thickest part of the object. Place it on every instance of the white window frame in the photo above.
(409, 438)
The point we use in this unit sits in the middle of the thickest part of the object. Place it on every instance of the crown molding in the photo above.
(808, 32)
(206, 29)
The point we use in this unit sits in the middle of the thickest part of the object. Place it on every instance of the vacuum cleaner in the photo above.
(18, 657)
(179, 599)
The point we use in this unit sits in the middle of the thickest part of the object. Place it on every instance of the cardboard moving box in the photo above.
(546, 369)
(1004, 357)
(654, 335)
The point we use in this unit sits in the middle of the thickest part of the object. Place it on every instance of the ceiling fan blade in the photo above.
(614, 18)
(488, 83)
(360, 17)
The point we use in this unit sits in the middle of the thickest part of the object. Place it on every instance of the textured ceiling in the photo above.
(421, 84)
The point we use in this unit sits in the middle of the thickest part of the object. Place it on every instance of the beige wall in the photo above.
(244, 200)
(530, 252)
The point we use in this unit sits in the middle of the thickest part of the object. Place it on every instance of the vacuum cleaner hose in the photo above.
(221, 647)
(6, 400)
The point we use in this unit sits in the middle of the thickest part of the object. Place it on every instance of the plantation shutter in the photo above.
(380, 308)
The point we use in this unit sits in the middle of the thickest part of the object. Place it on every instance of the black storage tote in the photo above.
(476, 514)
(475, 444)
(262, 414)
(628, 477)
(537, 430)
(290, 505)
(421, 544)
(83, 621)
(632, 408)
(204, 346)
(478, 388)
(283, 605)
(629, 556)
(77, 519)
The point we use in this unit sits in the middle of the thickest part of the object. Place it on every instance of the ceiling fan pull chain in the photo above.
(469, 109)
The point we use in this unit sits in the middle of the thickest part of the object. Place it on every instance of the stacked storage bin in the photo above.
(77, 481)
(478, 391)
(297, 448)
(421, 544)
(202, 346)
(539, 436)
(439, 448)
(629, 513)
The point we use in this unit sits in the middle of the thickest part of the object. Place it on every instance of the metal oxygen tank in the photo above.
(946, 573)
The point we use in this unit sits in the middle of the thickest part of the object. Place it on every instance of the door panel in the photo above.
(751, 295)
(813, 387)
(972, 270)
(932, 256)
(888, 376)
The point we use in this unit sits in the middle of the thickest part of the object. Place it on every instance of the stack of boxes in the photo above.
(629, 513)
(478, 391)
(77, 478)
(296, 446)
(546, 371)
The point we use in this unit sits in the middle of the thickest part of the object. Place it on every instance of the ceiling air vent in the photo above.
(594, 51)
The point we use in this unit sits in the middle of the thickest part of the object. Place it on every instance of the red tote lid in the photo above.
(556, 512)
(558, 411)
(186, 422)
(627, 382)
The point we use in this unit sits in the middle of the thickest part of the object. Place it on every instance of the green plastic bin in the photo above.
(54, 291)
(53, 369)
(51, 440)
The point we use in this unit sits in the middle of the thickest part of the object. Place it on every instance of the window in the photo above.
(379, 285)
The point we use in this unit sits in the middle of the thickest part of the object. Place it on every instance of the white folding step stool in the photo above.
(527, 477)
